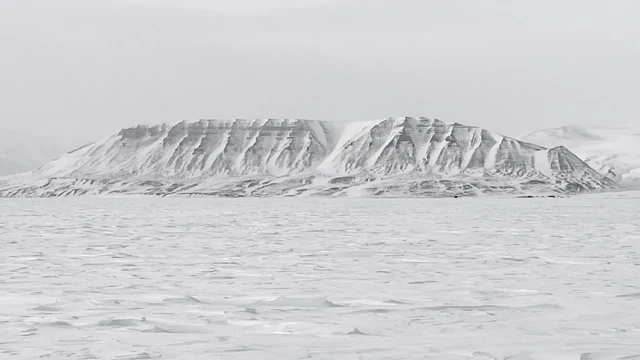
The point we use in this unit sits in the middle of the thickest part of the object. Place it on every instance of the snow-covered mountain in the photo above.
(394, 157)
(614, 152)
(23, 152)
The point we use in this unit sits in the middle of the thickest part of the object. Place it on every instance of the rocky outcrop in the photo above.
(395, 157)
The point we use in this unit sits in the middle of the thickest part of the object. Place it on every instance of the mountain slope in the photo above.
(393, 157)
(614, 152)
(22, 152)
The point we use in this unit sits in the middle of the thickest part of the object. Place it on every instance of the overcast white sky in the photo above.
(89, 67)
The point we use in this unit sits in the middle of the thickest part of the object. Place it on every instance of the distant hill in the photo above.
(21, 152)
(612, 151)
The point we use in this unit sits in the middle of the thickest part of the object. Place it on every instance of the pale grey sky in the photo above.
(89, 67)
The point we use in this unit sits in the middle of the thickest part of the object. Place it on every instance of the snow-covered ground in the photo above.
(473, 278)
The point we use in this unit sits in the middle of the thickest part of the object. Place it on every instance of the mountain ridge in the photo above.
(402, 156)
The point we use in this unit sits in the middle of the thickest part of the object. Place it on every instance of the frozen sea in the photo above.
(347, 278)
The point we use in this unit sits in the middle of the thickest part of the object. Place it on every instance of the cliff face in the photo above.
(396, 156)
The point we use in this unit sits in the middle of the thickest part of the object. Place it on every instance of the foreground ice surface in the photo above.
(475, 278)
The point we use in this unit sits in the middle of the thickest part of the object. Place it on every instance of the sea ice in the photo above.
(473, 278)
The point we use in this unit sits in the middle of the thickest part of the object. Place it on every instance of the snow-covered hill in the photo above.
(22, 152)
(614, 152)
(392, 157)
